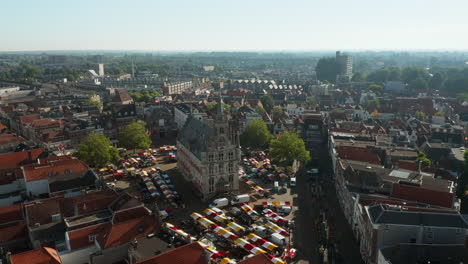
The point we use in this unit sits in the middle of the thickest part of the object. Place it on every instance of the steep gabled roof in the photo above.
(10, 214)
(192, 253)
(16, 159)
(35, 172)
(38, 256)
(111, 235)
(423, 195)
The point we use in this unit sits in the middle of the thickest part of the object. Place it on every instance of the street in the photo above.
(311, 205)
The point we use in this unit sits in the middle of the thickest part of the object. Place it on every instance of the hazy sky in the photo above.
(233, 24)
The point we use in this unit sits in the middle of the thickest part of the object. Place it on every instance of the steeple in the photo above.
(219, 108)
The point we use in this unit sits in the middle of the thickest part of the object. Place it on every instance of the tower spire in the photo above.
(219, 108)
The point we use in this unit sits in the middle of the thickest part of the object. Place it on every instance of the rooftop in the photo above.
(384, 214)
(192, 253)
(38, 256)
(16, 159)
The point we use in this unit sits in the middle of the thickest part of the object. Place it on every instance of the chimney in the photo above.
(30, 156)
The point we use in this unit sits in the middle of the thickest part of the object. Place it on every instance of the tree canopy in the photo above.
(255, 135)
(267, 102)
(146, 96)
(425, 162)
(420, 115)
(97, 151)
(278, 112)
(134, 136)
(358, 77)
(326, 69)
(372, 104)
(287, 148)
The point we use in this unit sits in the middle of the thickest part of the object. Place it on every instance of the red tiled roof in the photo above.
(79, 238)
(192, 253)
(128, 214)
(7, 108)
(35, 172)
(122, 96)
(16, 159)
(2, 127)
(110, 235)
(257, 259)
(9, 138)
(422, 195)
(13, 232)
(38, 256)
(10, 214)
(94, 201)
(29, 118)
(358, 154)
(41, 211)
(126, 231)
(408, 165)
(45, 122)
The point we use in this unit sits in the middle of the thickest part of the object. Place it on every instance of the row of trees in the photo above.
(416, 77)
(285, 148)
(97, 150)
(144, 96)
(437, 78)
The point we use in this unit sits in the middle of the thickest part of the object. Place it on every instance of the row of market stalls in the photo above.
(237, 235)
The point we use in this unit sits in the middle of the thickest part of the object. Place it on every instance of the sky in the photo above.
(233, 25)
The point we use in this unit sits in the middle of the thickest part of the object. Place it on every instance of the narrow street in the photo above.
(310, 207)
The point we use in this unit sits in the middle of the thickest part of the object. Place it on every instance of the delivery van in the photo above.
(243, 198)
(220, 202)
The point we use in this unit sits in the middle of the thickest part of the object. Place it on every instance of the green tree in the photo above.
(255, 135)
(97, 151)
(134, 136)
(326, 69)
(439, 113)
(372, 104)
(379, 76)
(420, 115)
(311, 102)
(437, 81)
(287, 148)
(278, 112)
(95, 103)
(418, 84)
(358, 77)
(394, 74)
(260, 110)
(410, 74)
(267, 102)
(425, 162)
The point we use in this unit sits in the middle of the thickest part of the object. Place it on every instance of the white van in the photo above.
(278, 239)
(243, 198)
(285, 210)
(220, 202)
